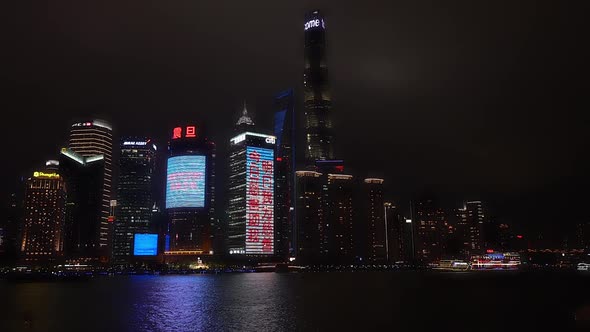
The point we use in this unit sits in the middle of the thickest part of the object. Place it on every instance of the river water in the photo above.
(393, 301)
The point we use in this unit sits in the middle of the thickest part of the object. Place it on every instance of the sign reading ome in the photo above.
(314, 24)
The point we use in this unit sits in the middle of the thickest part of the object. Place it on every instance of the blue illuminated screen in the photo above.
(145, 245)
(185, 182)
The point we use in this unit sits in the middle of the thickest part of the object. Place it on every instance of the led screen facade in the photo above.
(259, 201)
(185, 182)
(145, 245)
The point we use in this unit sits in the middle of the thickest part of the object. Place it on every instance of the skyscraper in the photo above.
(44, 215)
(92, 139)
(10, 226)
(394, 237)
(474, 219)
(310, 239)
(85, 211)
(190, 191)
(408, 240)
(377, 240)
(251, 229)
(428, 223)
(337, 204)
(284, 131)
(134, 194)
(317, 98)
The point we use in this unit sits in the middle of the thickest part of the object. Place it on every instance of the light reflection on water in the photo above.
(243, 302)
(287, 302)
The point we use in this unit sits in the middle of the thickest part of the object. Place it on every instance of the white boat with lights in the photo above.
(454, 265)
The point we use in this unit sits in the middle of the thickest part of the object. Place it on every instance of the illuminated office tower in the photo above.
(85, 211)
(134, 194)
(377, 239)
(337, 204)
(44, 216)
(92, 139)
(284, 131)
(317, 99)
(310, 238)
(251, 195)
(473, 218)
(394, 236)
(408, 240)
(190, 192)
(429, 221)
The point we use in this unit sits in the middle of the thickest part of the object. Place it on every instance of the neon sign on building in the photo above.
(46, 175)
(314, 24)
(185, 182)
(189, 132)
(259, 201)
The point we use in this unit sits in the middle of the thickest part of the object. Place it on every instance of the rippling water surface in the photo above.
(286, 302)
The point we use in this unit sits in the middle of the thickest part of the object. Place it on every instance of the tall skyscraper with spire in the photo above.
(245, 122)
(251, 191)
(317, 98)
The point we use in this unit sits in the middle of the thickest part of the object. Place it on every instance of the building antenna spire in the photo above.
(245, 118)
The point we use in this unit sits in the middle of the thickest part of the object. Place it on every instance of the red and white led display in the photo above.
(259, 201)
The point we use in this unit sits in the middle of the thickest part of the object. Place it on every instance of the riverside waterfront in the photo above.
(485, 301)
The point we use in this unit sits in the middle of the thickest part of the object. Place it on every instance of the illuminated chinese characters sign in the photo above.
(185, 182)
(189, 132)
(259, 201)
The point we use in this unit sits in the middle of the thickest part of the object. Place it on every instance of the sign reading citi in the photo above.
(259, 201)
(314, 24)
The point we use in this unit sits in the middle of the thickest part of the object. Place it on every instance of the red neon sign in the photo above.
(191, 131)
(177, 133)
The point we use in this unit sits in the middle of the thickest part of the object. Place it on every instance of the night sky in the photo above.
(450, 99)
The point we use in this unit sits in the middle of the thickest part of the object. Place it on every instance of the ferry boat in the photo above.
(452, 265)
(496, 261)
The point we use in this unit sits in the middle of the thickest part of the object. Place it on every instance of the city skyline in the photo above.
(294, 166)
(463, 146)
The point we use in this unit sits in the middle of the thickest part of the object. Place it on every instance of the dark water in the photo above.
(285, 302)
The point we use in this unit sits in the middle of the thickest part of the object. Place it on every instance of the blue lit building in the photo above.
(190, 192)
(251, 195)
(284, 131)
